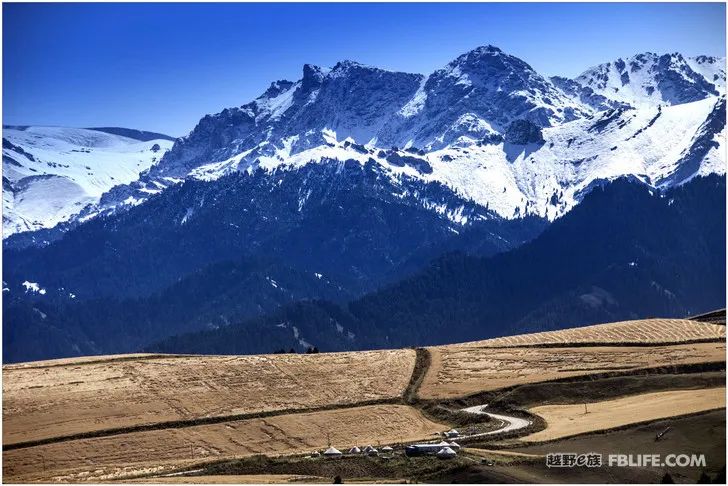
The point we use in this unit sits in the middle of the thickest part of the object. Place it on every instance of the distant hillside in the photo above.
(141, 135)
(52, 175)
(351, 178)
(625, 252)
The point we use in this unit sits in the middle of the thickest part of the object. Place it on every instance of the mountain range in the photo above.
(568, 133)
(577, 272)
(349, 182)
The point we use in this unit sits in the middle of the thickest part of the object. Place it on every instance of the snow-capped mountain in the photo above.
(711, 68)
(487, 126)
(544, 177)
(353, 178)
(653, 79)
(50, 174)
(476, 97)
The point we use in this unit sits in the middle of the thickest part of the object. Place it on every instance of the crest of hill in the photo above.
(643, 331)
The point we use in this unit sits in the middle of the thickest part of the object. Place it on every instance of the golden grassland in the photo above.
(644, 331)
(568, 420)
(64, 397)
(461, 369)
(171, 394)
(238, 479)
(112, 457)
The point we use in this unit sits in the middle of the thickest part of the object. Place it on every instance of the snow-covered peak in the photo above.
(347, 65)
(711, 68)
(51, 173)
(484, 55)
(276, 100)
(276, 88)
(474, 56)
(650, 79)
(312, 77)
(478, 95)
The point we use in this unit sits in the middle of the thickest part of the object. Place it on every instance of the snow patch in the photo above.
(33, 287)
(417, 103)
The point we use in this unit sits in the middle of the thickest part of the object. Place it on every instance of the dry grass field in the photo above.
(465, 369)
(568, 420)
(63, 397)
(311, 399)
(113, 457)
(645, 331)
(237, 479)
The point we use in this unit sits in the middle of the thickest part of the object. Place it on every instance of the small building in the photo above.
(424, 449)
(387, 450)
(446, 453)
(315, 454)
(355, 450)
(332, 453)
(451, 434)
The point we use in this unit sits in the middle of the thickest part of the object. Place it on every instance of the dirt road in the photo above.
(510, 423)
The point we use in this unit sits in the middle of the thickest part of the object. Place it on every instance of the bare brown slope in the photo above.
(89, 395)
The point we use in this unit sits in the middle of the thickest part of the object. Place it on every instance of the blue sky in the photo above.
(162, 67)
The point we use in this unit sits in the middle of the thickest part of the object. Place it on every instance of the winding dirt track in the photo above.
(510, 423)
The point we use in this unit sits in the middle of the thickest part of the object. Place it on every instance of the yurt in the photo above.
(355, 450)
(387, 450)
(315, 454)
(332, 452)
(454, 446)
(369, 450)
(446, 453)
(452, 433)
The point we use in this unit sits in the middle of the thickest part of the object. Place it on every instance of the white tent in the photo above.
(332, 452)
(446, 453)
(452, 433)
(387, 449)
(444, 444)
(370, 450)
(454, 446)
(315, 454)
(355, 450)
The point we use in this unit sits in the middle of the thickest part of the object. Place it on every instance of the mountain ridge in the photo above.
(52, 174)
(353, 178)
(470, 103)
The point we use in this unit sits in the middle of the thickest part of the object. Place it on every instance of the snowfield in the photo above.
(51, 173)
(547, 179)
